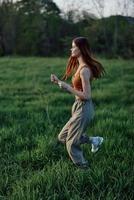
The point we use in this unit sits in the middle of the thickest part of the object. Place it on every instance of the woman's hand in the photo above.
(54, 78)
(63, 85)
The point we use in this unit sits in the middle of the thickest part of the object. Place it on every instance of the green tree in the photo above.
(38, 27)
(7, 27)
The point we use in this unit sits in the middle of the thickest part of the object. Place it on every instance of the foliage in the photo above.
(37, 28)
(112, 36)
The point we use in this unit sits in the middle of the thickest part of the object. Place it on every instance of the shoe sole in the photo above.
(101, 141)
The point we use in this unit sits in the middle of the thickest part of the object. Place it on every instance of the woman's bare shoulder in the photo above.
(86, 71)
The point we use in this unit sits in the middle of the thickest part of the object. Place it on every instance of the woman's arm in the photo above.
(85, 76)
(86, 93)
(63, 85)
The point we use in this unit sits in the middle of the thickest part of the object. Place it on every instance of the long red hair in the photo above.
(95, 66)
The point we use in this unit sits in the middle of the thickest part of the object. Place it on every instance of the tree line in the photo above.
(37, 28)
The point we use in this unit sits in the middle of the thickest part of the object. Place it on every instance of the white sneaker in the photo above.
(96, 143)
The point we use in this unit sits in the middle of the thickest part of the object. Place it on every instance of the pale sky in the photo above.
(109, 7)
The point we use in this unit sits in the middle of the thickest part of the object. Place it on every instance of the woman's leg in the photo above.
(81, 119)
(84, 139)
(73, 142)
(83, 114)
(63, 134)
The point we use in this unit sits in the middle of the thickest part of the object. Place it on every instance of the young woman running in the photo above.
(85, 68)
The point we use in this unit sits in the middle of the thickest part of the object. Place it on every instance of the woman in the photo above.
(86, 68)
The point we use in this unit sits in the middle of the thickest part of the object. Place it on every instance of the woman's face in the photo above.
(75, 52)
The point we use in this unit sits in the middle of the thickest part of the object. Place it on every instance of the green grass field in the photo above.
(33, 166)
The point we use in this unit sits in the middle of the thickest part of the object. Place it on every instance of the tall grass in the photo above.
(33, 165)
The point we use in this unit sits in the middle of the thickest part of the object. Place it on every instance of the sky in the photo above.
(103, 8)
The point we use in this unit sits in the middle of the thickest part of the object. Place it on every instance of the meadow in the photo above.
(33, 165)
